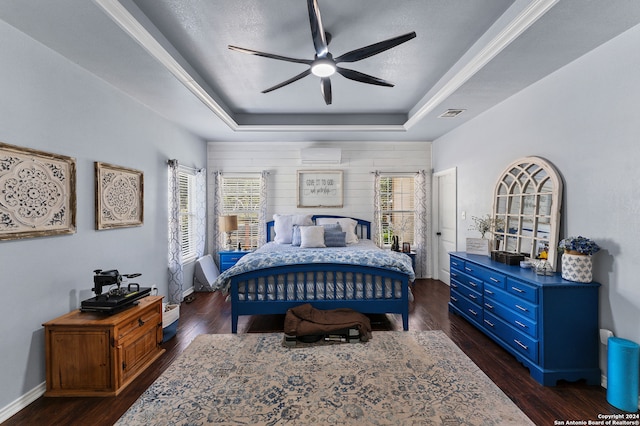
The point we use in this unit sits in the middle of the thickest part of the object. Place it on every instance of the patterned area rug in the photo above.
(397, 378)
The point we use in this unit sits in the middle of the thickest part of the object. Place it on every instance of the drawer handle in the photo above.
(521, 324)
(489, 323)
(471, 296)
(474, 313)
(454, 285)
(454, 275)
(519, 290)
(140, 322)
(488, 306)
(494, 280)
(454, 299)
(468, 269)
(472, 284)
(522, 309)
(454, 263)
(488, 291)
(522, 345)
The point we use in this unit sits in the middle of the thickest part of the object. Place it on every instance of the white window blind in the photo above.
(187, 183)
(241, 197)
(397, 208)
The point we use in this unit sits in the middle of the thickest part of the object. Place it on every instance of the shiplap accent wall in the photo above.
(282, 160)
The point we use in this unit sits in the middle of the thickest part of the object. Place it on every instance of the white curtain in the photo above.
(377, 210)
(421, 239)
(201, 211)
(176, 275)
(218, 237)
(262, 213)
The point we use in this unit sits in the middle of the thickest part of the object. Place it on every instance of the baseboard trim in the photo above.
(22, 402)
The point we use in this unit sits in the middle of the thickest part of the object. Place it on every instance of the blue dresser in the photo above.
(549, 324)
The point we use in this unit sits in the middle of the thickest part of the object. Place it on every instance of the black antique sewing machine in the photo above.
(115, 299)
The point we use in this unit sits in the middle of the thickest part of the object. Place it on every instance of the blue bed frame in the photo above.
(321, 275)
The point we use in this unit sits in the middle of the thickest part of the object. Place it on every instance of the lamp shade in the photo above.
(228, 223)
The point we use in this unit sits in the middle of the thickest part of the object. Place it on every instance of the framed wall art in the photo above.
(37, 193)
(119, 196)
(319, 188)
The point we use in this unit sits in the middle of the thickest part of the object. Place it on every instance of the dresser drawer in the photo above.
(149, 317)
(470, 281)
(516, 304)
(456, 263)
(472, 311)
(516, 320)
(469, 292)
(522, 343)
(523, 290)
(491, 277)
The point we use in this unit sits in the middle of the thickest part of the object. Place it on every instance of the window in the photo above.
(396, 209)
(187, 183)
(241, 197)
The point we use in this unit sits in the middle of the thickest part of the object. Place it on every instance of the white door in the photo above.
(445, 221)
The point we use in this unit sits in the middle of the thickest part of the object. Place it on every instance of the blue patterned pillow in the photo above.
(335, 238)
(296, 239)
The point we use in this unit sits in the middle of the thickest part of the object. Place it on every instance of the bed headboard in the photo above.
(363, 228)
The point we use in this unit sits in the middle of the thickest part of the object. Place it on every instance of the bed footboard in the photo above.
(369, 290)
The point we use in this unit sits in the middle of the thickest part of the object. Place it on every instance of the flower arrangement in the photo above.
(579, 244)
(486, 224)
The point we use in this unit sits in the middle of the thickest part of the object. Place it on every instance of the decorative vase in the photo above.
(577, 267)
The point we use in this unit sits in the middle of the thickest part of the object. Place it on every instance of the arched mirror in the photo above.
(527, 201)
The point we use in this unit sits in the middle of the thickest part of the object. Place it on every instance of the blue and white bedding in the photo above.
(272, 254)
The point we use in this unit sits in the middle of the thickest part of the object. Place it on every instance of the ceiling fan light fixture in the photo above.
(323, 67)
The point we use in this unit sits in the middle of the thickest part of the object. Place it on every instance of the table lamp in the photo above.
(228, 224)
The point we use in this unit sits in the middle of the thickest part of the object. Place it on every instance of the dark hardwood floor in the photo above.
(209, 314)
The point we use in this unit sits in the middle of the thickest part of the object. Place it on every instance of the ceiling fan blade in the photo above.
(317, 30)
(362, 77)
(325, 88)
(291, 80)
(270, 55)
(374, 49)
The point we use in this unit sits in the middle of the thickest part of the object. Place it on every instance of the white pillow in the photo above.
(348, 225)
(312, 236)
(283, 225)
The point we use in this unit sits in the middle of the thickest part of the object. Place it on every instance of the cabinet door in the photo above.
(79, 360)
(137, 351)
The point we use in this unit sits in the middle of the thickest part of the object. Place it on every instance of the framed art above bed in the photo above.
(319, 188)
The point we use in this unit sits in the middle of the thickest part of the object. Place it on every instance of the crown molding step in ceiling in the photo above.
(174, 57)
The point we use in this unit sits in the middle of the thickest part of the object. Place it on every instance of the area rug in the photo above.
(397, 378)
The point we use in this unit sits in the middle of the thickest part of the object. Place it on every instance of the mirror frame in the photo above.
(527, 198)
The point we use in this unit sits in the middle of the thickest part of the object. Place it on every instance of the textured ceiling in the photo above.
(172, 56)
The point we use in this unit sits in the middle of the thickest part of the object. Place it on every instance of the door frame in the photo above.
(435, 194)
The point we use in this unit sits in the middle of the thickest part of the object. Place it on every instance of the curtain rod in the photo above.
(394, 173)
(243, 173)
(175, 162)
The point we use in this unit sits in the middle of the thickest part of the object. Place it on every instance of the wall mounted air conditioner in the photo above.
(320, 156)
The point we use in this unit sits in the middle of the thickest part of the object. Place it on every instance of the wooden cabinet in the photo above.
(549, 324)
(230, 258)
(92, 354)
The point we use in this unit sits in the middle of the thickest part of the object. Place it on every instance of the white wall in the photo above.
(584, 119)
(52, 105)
(282, 159)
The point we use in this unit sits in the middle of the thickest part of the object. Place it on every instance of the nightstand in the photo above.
(412, 255)
(230, 258)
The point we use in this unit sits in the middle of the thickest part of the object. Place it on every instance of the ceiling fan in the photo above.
(324, 65)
